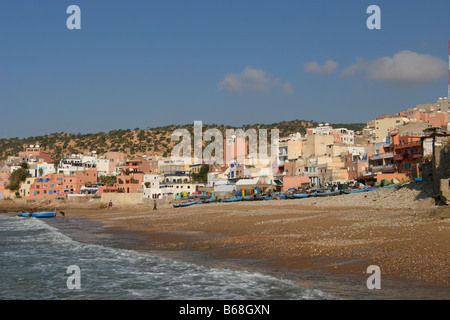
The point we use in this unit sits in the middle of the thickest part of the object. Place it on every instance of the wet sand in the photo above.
(406, 243)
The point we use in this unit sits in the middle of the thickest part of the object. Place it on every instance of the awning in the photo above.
(278, 182)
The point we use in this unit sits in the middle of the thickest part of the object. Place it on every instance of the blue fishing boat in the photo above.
(378, 188)
(38, 215)
(233, 200)
(328, 193)
(212, 200)
(355, 191)
(300, 195)
(185, 204)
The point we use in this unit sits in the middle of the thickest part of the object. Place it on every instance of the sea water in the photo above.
(35, 256)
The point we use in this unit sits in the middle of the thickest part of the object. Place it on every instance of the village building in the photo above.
(4, 180)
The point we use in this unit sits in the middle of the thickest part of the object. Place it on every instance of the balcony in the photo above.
(132, 181)
(382, 155)
(408, 156)
(408, 145)
(385, 168)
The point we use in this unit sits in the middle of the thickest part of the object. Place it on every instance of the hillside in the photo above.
(137, 142)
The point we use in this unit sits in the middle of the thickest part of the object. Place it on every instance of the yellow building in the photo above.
(316, 145)
(383, 125)
(25, 187)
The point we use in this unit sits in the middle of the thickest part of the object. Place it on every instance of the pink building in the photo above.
(234, 148)
(57, 184)
(116, 157)
(290, 168)
(129, 183)
(48, 186)
(37, 152)
(4, 179)
(73, 184)
(415, 115)
(438, 119)
(356, 165)
(138, 166)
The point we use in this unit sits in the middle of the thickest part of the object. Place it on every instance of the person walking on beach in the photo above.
(110, 204)
(154, 205)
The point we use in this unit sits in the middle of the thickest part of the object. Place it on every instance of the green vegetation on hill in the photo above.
(139, 142)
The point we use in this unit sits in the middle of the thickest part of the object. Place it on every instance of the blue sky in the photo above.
(139, 64)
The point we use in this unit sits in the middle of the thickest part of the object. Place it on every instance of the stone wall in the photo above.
(442, 168)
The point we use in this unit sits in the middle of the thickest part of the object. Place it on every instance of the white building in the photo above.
(45, 168)
(34, 169)
(105, 167)
(157, 187)
(76, 163)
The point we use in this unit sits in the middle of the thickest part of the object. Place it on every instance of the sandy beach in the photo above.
(400, 231)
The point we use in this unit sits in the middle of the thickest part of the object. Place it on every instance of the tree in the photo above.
(108, 180)
(202, 175)
(17, 176)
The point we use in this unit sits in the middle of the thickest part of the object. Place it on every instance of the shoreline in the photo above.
(339, 236)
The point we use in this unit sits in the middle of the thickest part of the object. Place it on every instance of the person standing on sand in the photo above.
(154, 205)
(110, 204)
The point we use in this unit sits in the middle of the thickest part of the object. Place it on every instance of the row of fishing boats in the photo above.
(314, 192)
(215, 200)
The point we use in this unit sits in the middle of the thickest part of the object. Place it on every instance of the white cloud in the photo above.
(232, 82)
(254, 80)
(287, 88)
(328, 67)
(404, 67)
(355, 68)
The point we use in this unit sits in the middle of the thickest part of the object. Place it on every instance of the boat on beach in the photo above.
(38, 215)
(355, 191)
(211, 200)
(300, 195)
(328, 193)
(233, 200)
(385, 187)
(185, 204)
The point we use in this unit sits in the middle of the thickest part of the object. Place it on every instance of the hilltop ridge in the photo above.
(138, 142)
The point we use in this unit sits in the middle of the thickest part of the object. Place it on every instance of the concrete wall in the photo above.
(390, 176)
(441, 168)
(293, 182)
(119, 199)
